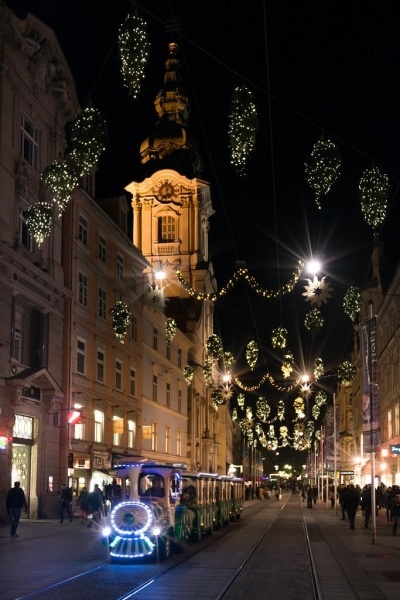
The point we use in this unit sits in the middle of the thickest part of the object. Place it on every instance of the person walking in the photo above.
(352, 502)
(395, 511)
(65, 502)
(82, 503)
(366, 504)
(310, 497)
(95, 504)
(15, 502)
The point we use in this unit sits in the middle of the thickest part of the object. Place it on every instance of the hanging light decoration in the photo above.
(229, 360)
(38, 218)
(217, 397)
(62, 180)
(315, 411)
(241, 400)
(374, 191)
(352, 303)
(314, 320)
(279, 336)
(323, 168)
(88, 139)
(298, 406)
(252, 354)
(243, 127)
(134, 48)
(188, 373)
(320, 398)
(346, 372)
(170, 329)
(318, 368)
(318, 291)
(214, 347)
(288, 364)
(121, 317)
(207, 372)
(262, 409)
(281, 410)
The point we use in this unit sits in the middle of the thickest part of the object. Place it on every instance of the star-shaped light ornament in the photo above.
(318, 291)
(226, 392)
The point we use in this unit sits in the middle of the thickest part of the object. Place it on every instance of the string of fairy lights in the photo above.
(87, 139)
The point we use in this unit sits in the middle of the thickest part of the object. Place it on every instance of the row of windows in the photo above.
(79, 433)
(81, 367)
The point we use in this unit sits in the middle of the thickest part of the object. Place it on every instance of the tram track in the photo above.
(275, 546)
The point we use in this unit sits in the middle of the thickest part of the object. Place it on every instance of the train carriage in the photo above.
(165, 507)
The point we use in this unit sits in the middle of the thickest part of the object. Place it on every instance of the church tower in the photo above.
(171, 220)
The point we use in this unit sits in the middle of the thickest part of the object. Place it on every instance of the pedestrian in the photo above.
(82, 503)
(315, 494)
(366, 504)
(352, 502)
(15, 502)
(310, 497)
(395, 512)
(65, 502)
(342, 497)
(95, 503)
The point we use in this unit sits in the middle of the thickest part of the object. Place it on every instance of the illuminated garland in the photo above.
(214, 347)
(346, 372)
(352, 303)
(374, 192)
(288, 364)
(229, 360)
(314, 320)
(38, 218)
(121, 318)
(320, 398)
(279, 337)
(318, 369)
(188, 373)
(323, 168)
(239, 274)
(134, 47)
(88, 139)
(62, 180)
(264, 378)
(252, 354)
(243, 127)
(262, 409)
(170, 329)
(207, 372)
(217, 397)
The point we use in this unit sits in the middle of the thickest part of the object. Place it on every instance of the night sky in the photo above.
(314, 68)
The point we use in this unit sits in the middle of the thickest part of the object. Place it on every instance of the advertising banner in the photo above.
(370, 388)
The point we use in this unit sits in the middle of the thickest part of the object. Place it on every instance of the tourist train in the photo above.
(157, 517)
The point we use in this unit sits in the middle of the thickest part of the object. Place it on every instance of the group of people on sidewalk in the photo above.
(352, 497)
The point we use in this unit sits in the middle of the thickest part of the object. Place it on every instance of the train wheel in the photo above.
(164, 548)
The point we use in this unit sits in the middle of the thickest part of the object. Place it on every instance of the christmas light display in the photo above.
(207, 372)
(262, 409)
(249, 279)
(229, 360)
(87, 139)
(352, 303)
(188, 373)
(314, 320)
(318, 369)
(121, 318)
(346, 372)
(62, 181)
(38, 217)
(214, 347)
(252, 354)
(288, 364)
(217, 397)
(279, 337)
(323, 168)
(374, 191)
(170, 329)
(243, 127)
(134, 47)
(318, 291)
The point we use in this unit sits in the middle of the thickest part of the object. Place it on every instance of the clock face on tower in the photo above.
(166, 190)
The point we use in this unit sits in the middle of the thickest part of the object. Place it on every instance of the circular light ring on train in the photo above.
(131, 519)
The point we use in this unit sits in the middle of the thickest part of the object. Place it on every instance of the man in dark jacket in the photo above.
(352, 502)
(65, 502)
(15, 502)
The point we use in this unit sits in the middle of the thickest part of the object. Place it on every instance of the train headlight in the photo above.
(106, 531)
(156, 530)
